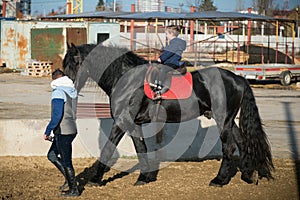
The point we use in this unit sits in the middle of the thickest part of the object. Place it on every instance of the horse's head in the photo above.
(72, 63)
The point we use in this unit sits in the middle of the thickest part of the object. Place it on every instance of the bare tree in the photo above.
(240, 5)
(100, 6)
(195, 3)
(263, 7)
(207, 5)
(202, 5)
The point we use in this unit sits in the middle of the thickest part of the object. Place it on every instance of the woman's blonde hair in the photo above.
(173, 29)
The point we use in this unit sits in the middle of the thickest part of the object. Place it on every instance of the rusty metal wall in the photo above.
(23, 41)
(76, 36)
(8, 44)
(14, 44)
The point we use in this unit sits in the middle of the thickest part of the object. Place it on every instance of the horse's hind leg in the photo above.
(146, 174)
(228, 168)
(230, 139)
(107, 152)
(248, 174)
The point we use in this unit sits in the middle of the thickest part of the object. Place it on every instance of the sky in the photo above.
(44, 7)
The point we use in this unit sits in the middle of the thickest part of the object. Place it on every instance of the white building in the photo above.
(149, 6)
(13, 7)
(10, 8)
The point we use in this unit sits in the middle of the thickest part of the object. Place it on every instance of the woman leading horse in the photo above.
(121, 73)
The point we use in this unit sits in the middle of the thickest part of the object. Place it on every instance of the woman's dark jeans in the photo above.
(62, 146)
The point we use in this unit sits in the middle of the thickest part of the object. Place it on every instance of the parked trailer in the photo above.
(284, 72)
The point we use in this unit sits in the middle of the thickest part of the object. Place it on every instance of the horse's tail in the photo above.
(257, 152)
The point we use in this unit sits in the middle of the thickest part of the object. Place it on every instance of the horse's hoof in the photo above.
(140, 183)
(216, 183)
(250, 179)
(247, 180)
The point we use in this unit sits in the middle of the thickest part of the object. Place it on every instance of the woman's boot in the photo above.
(73, 190)
(59, 166)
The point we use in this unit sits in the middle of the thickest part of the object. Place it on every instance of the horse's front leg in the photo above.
(106, 153)
(146, 174)
(228, 168)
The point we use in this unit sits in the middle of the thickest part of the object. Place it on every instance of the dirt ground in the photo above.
(36, 178)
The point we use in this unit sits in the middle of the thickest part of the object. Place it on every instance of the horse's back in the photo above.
(214, 76)
(224, 88)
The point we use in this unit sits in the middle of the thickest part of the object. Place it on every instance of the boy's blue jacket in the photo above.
(173, 52)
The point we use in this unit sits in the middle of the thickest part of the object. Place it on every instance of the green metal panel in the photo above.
(48, 45)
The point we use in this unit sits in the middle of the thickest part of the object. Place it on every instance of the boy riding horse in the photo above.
(171, 57)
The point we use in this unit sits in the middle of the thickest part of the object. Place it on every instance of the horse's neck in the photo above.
(107, 78)
(110, 64)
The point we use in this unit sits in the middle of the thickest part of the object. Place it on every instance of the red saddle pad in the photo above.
(181, 88)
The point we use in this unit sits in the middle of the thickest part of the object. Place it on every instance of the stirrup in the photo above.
(157, 96)
(155, 86)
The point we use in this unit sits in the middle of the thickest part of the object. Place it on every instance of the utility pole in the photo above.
(180, 6)
(297, 22)
(4, 8)
(240, 5)
(115, 5)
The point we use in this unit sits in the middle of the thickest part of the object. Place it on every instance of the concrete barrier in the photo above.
(24, 137)
(195, 139)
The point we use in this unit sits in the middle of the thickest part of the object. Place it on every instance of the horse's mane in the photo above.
(107, 56)
(105, 64)
(120, 56)
(116, 61)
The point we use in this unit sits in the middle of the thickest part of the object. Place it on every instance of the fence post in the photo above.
(192, 25)
(249, 27)
(132, 29)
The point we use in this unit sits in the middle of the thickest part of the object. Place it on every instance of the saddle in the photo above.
(179, 82)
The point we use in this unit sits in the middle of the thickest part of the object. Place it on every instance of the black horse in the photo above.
(121, 73)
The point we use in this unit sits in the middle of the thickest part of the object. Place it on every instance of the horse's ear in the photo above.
(72, 49)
